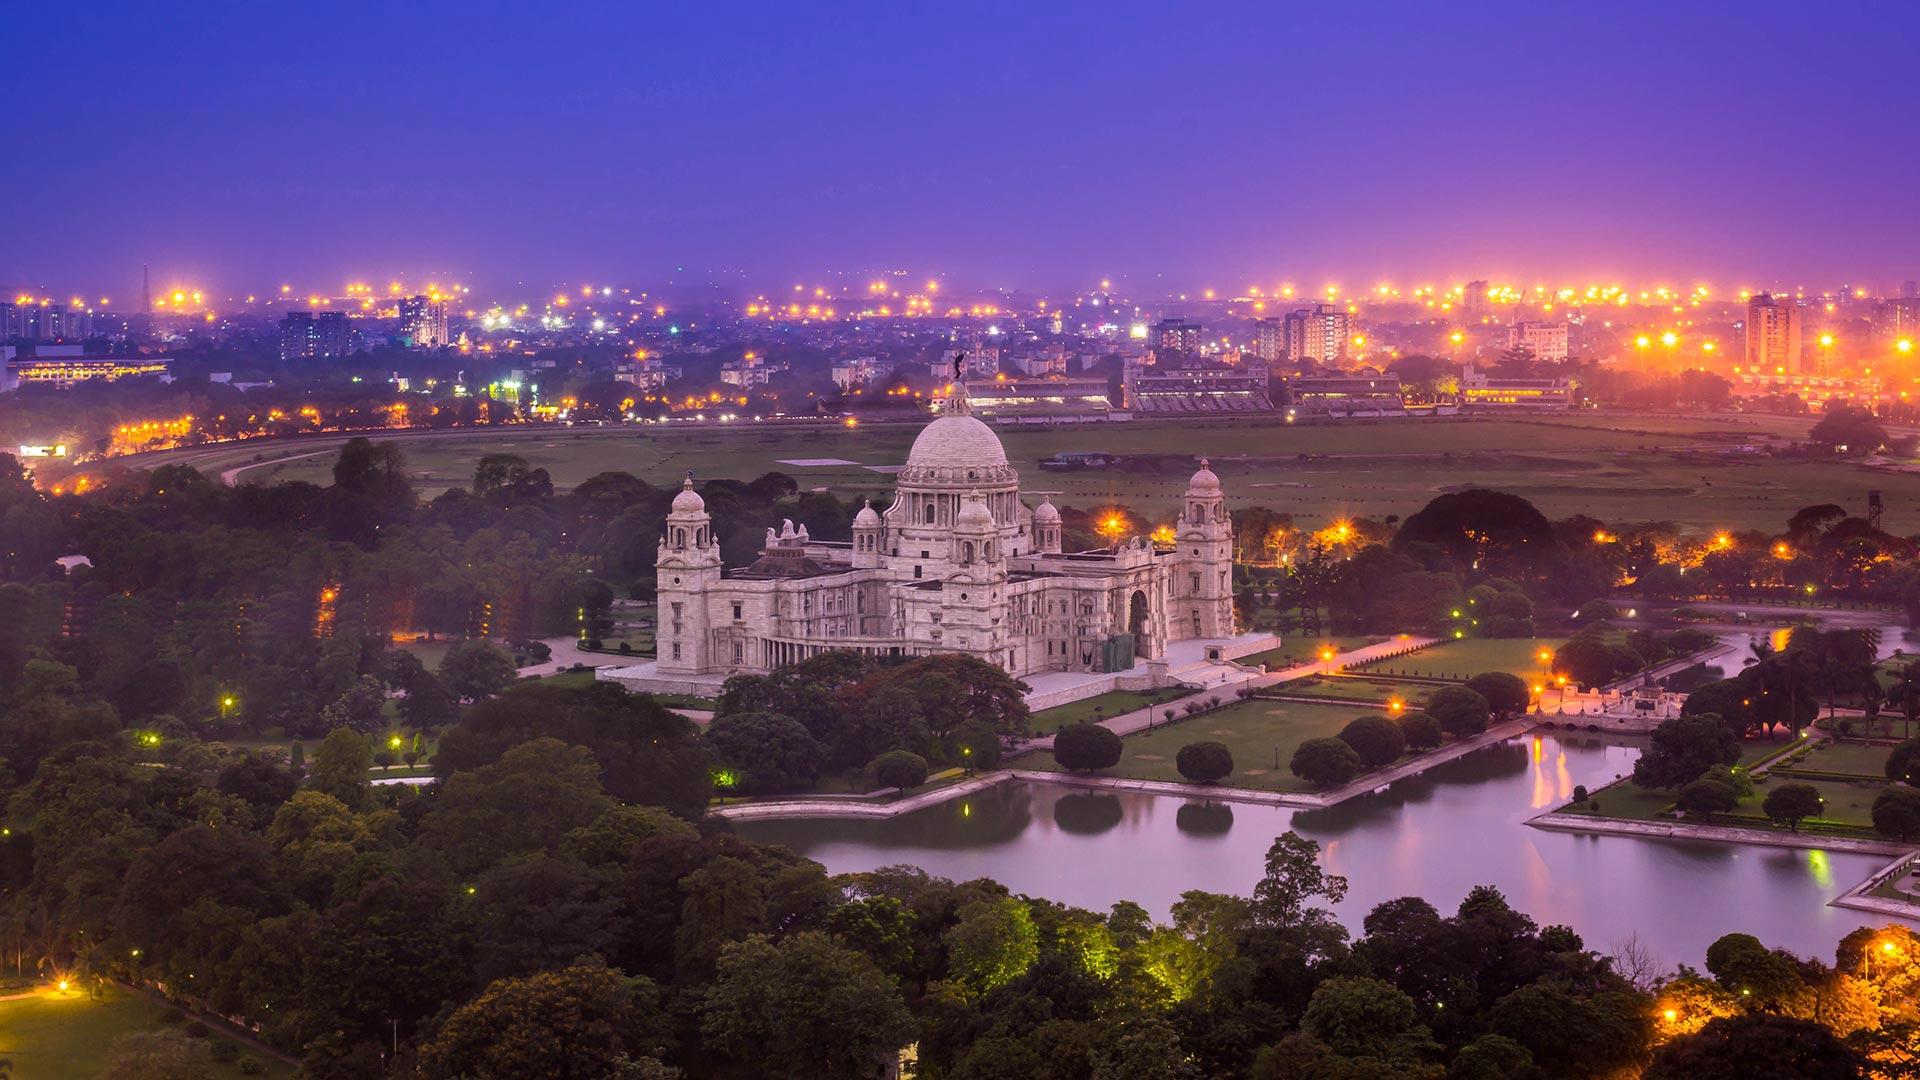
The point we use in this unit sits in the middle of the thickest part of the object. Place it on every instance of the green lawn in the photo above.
(1854, 759)
(1848, 803)
(1103, 706)
(65, 1037)
(1613, 465)
(1347, 688)
(1473, 656)
(1303, 650)
(1258, 732)
(429, 652)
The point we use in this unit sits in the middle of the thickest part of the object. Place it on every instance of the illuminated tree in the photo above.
(1756, 1047)
(993, 943)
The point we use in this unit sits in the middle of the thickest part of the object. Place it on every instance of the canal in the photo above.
(1436, 835)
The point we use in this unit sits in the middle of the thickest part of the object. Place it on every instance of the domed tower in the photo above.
(1201, 589)
(954, 455)
(1046, 527)
(867, 537)
(972, 605)
(687, 567)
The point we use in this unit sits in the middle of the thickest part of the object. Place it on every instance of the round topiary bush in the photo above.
(1325, 762)
(900, 769)
(1084, 747)
(1462, 712)
(1378, 740)
(1505, 692)
(1204, 762)
(1422, 731)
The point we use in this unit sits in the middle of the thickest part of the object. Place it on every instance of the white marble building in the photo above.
(958, 563)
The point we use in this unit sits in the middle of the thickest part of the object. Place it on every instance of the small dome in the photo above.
(974, 514)
(1046, 513)
(1204, 482)
(866, 518)
(689, 500)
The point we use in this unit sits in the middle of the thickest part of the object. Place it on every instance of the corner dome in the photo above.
(867, 518)
(689, 500)
(974, 514)
(1204, 482)
(1046, 513)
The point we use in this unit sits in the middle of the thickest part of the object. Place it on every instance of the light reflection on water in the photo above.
(1436, 835)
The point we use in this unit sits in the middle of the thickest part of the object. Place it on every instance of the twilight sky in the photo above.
(240, 146)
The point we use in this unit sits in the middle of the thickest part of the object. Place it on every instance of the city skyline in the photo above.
(998, 149)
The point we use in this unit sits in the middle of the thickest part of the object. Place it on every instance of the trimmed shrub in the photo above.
(1423, 732)
(1325, 762)
(900, 769)
(1506, 693)
(1085, 747)
(1204, 762)
(1376, 739)
(1462, 712)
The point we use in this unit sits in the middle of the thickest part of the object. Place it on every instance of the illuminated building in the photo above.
(749, 371)
(61, 372)
(858, 371)
(647, 374)
(1034, 400)
(1546, 341)
(1773, 335)
(1318, 333)
(1197, 391)
(1896, 319)
(43, 321)
(423, 321)
(957, 564)
(1490, 392)
(1362, 394)
(1175, 336)
(1270, 340)
(305, 335)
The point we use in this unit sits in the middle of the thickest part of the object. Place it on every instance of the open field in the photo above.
(1258, 732)
(1101, 706)
(1473, 656)
(65, 1036)
(1604, 464)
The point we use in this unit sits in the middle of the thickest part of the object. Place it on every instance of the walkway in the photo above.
(1679, 830)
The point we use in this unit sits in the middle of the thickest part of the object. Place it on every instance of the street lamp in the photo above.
(966, 755)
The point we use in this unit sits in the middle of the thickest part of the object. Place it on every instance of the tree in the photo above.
(1148, 1048)
(1792, 803)
(1756, 1047)
(1855, 430)
(767, 752)
(1204, 762)
(476, 670)
(340, 767)
(361, 708)
(900, 769)
(1707, 798)
(1489, 531)
(1506, 693)
(528, 801)
(1423, 732)
(1293, 878)
(1357, 1016)
(1462, 712)
(1325, 762)
(1378, 740)
(993, 943)
(1903, 762)
(807, 1007)
(1896, 813)
(585, 1021)
(1683, 749)
(1085, 747)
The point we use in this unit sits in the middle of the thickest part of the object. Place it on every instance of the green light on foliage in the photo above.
(725, 778)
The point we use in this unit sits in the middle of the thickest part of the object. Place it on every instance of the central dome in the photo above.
(957, 442)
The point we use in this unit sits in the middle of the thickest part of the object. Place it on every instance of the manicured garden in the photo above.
(1102, 707)
(1471, 656)
(1367, 691)
(1305, 650)
(56, 1036)
(1259, 733)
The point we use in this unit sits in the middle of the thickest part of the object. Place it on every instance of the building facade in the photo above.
(423, 321)
(1318, 333)
(1773, 335)
(306, 335)
(1546, 341)
(957, 564)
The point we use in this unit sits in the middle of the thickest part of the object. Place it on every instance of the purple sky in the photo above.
(242, 146)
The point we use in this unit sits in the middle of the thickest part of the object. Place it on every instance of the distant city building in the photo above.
(646, 374)
(1053, 399)
(749, 371)
(61, 372)
(1369, 393)
(1197, 391)
(1894, 319)
(1270, 340)
(1175, 336)
(1773, 335)
(1474, 302)
(1546, 341)
(857, 371)
(423, 320)
(305, 335)
(43, 322)
(1491, 392)
(1318, 333)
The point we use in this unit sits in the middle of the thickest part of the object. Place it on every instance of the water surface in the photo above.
(1436, 835)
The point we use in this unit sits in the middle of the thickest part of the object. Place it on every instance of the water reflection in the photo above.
(1203, 819)
(1438, 835)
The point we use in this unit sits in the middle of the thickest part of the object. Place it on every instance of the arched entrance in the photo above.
(1137, 623)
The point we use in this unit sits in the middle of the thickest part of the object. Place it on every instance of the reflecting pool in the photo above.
(1436, 835)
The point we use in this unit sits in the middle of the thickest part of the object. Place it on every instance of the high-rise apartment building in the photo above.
(1773, 335)
(1175, 336)
(1318, 333)
(423, 320)
(1546, 341)
(43, 322)
(1270, 340)
(1897, 318)
(305, 335)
